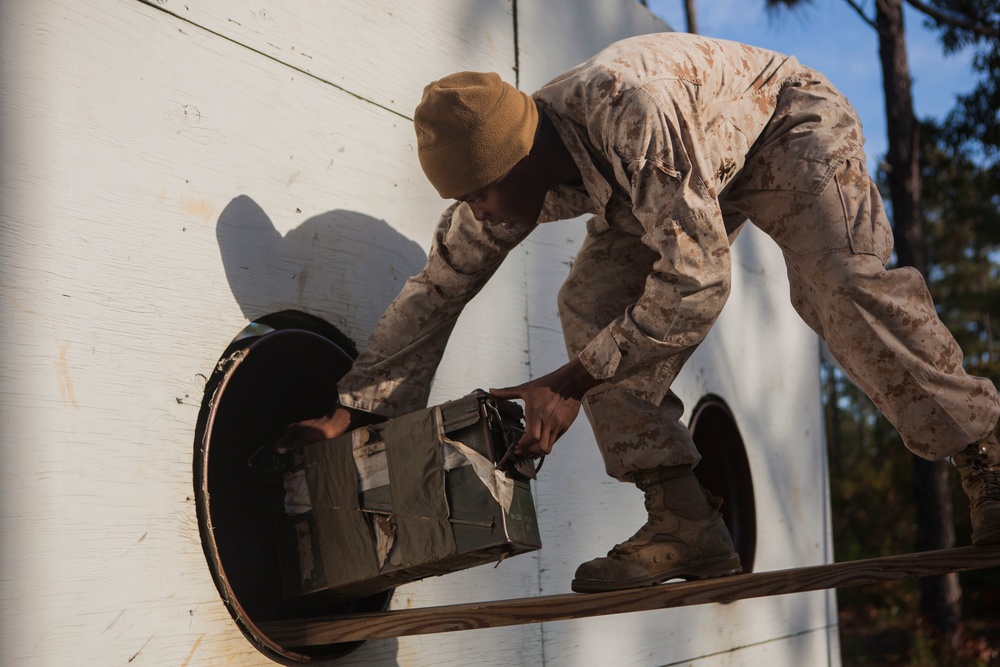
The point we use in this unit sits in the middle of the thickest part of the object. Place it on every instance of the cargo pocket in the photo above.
(867, 227)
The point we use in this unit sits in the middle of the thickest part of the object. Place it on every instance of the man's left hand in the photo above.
(551, 404)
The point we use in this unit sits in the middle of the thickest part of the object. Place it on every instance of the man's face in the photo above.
(513, 200)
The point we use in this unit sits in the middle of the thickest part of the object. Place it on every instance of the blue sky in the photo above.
(830, 36)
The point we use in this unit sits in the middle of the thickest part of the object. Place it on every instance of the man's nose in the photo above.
(480, 212)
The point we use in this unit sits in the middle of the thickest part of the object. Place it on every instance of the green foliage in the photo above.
(873, 511)
(871, 491)
(974, 124)
(872, 485)
(962, 229)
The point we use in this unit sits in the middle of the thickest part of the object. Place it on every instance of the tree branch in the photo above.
(981, 29)
(861, 13)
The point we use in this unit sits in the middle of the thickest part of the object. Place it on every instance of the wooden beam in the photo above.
(399, 623)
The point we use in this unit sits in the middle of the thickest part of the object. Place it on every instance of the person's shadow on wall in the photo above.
(342, 266)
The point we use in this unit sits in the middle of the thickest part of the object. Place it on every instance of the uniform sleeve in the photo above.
(392, 376)
(688, 284)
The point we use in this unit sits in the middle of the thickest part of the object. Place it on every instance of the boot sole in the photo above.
(706, 569)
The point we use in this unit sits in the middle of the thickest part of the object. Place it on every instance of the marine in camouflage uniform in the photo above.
(670, 142)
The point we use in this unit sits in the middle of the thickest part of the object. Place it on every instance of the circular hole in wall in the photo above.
(725, 471)
(281, 369)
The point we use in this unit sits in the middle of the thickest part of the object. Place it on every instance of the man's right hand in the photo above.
(298, 435)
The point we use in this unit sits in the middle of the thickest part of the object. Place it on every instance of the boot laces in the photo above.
(980, 460)
(991, 484)
(988, 476)
(646, 532)
(649, 498)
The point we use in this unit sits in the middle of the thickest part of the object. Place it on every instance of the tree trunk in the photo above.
(691, 13)
(941, 597)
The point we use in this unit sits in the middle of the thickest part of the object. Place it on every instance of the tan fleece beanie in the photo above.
(472, 128)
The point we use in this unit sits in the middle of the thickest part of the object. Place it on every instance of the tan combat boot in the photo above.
(979, 466)
(684, 538)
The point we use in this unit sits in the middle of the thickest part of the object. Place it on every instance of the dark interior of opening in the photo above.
(725, 471)
(263, 383)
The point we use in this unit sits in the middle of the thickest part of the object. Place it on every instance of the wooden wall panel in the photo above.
(381, 51)
(162, 187)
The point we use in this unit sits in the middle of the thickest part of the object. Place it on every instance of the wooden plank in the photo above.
(451, 618)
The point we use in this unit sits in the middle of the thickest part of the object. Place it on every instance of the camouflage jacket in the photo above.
(660, 126)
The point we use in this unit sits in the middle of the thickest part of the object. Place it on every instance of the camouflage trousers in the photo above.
(880, 325)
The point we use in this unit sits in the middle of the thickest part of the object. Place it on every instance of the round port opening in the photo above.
(725, 471)
(280, 369)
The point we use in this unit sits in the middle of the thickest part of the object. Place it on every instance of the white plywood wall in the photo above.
(172, 170)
